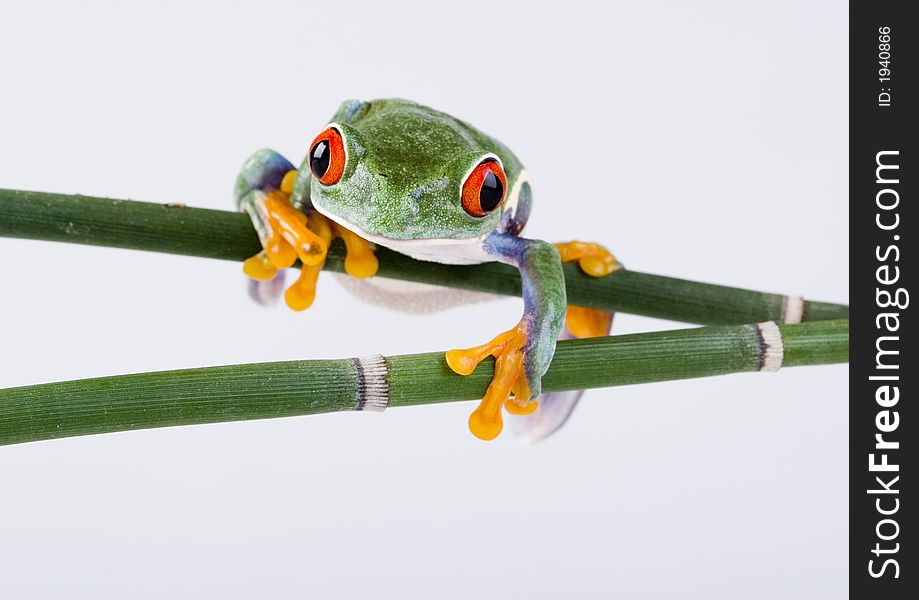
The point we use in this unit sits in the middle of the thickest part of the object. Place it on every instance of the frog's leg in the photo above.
(523, 353)
(580, 322)
(263, 190)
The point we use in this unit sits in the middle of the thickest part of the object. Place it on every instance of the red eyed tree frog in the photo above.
(423, 183)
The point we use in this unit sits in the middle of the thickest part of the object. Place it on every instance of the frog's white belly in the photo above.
(447, 251)
(444, 251)
(410, 296)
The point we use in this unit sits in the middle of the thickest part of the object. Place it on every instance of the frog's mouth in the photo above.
(451, 251)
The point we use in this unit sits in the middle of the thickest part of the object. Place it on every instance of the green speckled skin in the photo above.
(411, 161)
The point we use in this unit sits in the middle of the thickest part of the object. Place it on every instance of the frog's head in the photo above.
(407, 174)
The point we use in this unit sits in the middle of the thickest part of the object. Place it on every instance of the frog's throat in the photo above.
(468, 251)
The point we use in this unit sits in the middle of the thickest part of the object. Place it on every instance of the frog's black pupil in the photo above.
(491, 192)
(319, 158)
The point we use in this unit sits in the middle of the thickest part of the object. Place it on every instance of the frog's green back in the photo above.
(406, 166)
(380, 116)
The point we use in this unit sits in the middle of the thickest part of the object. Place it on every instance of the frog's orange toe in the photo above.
(302, 293)
(360, 260)
(594, 259)
(361, 266)
(280, 253)
(486, 421)
(598, 266)
(521, 410)
(260, 267)
(462, 362)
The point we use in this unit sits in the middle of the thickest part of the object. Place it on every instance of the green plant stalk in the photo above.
(228, 235)
(284, 389)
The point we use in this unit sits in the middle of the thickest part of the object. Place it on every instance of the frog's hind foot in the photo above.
(584, 322)
(510, 350)
(285, 232)
(594, 259)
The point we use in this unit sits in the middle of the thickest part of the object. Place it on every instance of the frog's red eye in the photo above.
(327, 156)
(483, 190)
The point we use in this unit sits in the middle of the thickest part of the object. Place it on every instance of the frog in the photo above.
(420, 182)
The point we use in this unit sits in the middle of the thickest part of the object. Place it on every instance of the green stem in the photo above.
(283, 389)
(230, 236)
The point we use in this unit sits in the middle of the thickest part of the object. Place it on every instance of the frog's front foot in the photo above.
(511, 350)
(288, 234)
(284, 232)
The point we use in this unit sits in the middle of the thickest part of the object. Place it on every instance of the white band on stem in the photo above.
(372, 388)
(792, 309)
(773, 348)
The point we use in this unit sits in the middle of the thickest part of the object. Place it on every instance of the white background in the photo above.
(699, 140)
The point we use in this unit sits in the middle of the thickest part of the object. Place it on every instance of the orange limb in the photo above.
(486, 421)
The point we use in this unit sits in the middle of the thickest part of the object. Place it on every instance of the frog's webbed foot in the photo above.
(596, 261)
(287, 234)
(511, 350)
(283, 231)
